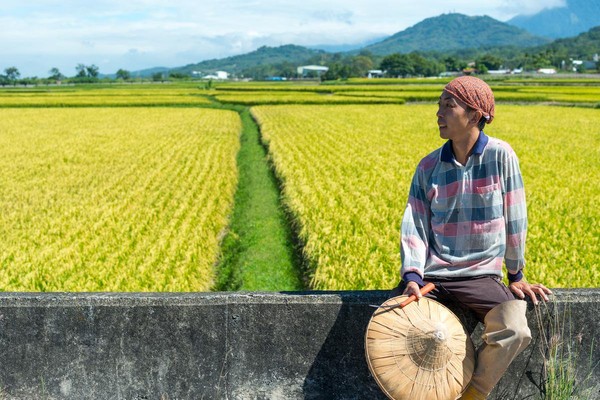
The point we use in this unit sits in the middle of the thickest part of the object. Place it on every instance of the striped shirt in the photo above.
(464, 221)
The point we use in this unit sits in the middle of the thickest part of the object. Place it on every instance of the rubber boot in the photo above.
(505, 335)
(472, 394)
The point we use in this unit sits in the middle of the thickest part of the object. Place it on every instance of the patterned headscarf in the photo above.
(475, 93)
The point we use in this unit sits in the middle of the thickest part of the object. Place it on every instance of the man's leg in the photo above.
(505, 335)
(505, 332)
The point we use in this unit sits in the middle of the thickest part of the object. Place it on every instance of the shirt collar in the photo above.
(448, 155)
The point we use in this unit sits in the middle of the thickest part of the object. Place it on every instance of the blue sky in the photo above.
(36, 36)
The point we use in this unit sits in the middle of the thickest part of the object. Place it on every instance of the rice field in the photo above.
(346, 172)
(112, 96)
(387, 93)
(130, 187)
(249, 98)
(114, 199)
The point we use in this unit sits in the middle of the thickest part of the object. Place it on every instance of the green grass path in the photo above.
(258, 251)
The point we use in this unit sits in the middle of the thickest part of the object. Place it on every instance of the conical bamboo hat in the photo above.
(419, 352)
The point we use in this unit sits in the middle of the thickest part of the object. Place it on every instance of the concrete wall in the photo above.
(229, 346)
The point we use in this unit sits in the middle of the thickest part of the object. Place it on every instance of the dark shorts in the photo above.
(479, 294)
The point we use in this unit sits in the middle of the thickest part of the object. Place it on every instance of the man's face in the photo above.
(452, 117)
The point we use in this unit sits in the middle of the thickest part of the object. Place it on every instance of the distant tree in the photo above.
(452, 64)
(542, 59)
(12, 74)
(81, 71)
(580, 69)
(481, 68)
(29, 80)
(157, 76)
(490, 61)
(420, 64)
(336, 70)
(123, 74)
(360, 65)
(336, 57)
(287, 69)
(330, 74)
(434, 68)
(86, 73)
(92, 71)
(397, 65)
(177, 75)
(55, 74)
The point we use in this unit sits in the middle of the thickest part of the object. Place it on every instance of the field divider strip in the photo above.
(258, 250)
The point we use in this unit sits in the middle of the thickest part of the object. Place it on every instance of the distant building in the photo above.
(302, 70)
(447, 74)
(547, 71)
(375, 73)
(219, 75)
(505, 71)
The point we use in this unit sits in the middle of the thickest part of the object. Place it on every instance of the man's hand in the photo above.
(412, 288)
(523, 288)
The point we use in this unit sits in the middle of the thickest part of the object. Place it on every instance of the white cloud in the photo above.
(46, 33)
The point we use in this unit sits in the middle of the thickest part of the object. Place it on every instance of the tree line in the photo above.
(84, 74)
(423, 64)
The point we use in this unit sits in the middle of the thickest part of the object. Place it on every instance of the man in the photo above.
(465, 216)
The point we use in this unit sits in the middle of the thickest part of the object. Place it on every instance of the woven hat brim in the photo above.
(401, 373)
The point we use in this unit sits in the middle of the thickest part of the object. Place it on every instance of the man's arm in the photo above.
(414, 240)
(515, 214)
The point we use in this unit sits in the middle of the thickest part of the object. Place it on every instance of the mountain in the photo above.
(455, 31)
(575, 17)
(150, 72)
(456, 34)
(344, 48)
(292, 54)
(142, 73)
(583, 46)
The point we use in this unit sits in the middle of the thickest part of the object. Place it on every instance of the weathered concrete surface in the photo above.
(230, 346)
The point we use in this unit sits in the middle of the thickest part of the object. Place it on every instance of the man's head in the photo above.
(476, 94)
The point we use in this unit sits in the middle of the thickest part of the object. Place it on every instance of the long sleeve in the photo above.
(467, 220)
(415, 228)
(515, 214)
